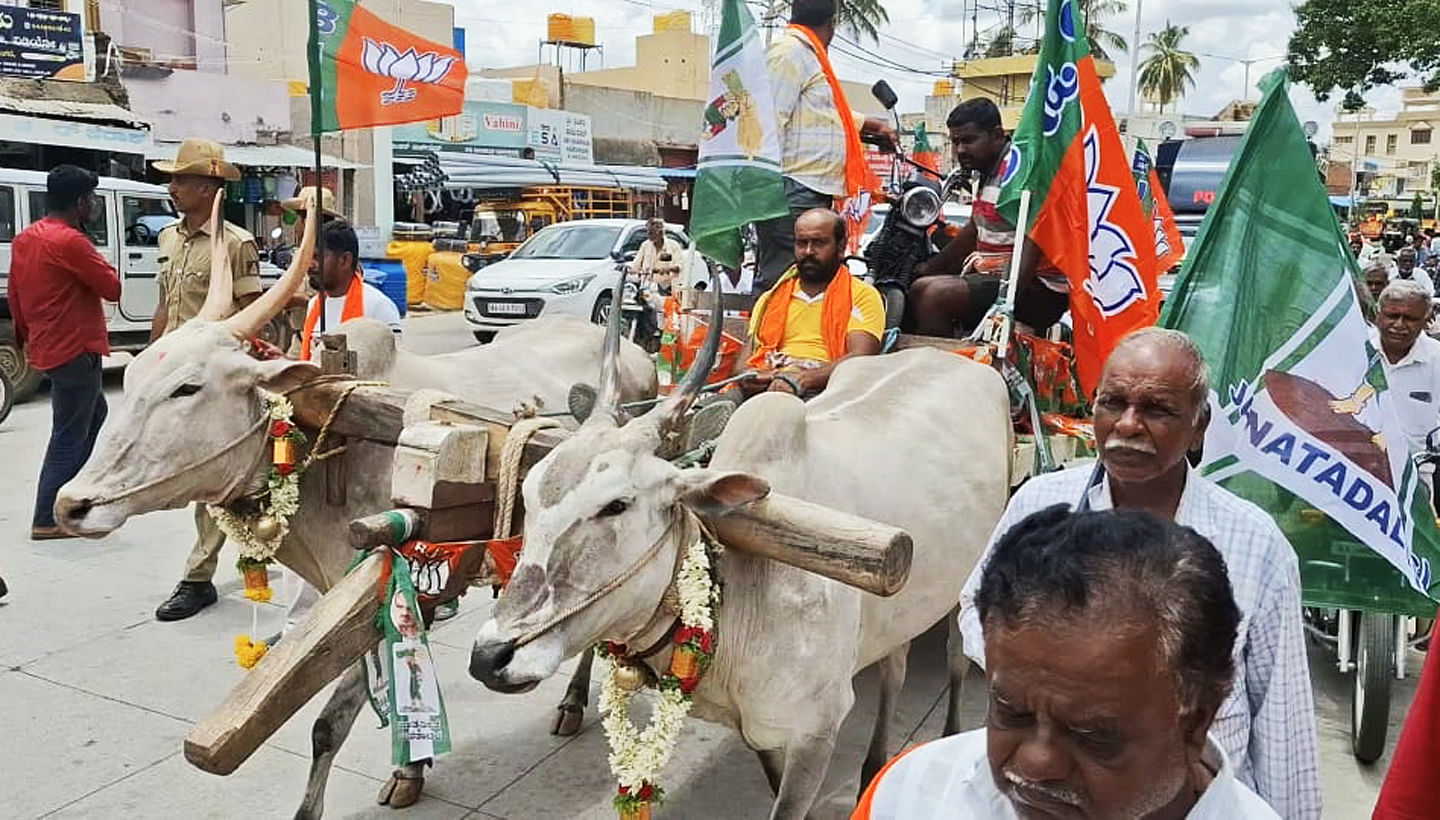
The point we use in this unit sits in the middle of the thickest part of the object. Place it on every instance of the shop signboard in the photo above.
(561, 136)
(481, 128)
(43, 45)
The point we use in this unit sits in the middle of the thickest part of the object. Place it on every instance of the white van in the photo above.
(125, 229)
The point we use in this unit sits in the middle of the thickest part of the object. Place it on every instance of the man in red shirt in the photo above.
(57, 280)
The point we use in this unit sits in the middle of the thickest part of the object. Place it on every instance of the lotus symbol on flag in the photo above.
(386, 61)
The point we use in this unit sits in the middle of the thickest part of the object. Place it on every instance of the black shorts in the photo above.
(1036, 305)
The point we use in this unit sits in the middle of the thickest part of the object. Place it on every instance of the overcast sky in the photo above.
(923, 34)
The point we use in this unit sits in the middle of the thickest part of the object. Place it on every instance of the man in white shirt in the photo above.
(346, 294)
(1412, 362)
(1405, 267)
(1151, 411)
(1110, 647)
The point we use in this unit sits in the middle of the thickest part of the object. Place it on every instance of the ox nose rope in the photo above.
(316, 454)
(610, 586)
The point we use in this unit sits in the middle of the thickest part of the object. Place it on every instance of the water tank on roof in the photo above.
(563, 28)
(672, 21)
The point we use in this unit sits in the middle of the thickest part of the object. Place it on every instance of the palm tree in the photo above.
(1167, 70)
(1103, 41)
(861, 17)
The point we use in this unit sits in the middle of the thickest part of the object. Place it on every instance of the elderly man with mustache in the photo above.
(1109, 641)
(1151, 411)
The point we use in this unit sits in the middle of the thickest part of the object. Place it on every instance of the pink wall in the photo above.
(171, 29)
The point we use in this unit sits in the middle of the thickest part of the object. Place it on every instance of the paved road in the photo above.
(96, 696)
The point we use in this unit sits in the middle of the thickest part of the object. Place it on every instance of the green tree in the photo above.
(1002, 44)
(1356, 45)
(1167, 70)
(1103, 41)
(1417, 207)
(861, 17)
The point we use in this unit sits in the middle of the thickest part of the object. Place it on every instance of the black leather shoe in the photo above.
(3, 589)
(189, 598)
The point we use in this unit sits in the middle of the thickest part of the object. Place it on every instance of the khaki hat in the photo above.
(327, 202)
(200, 157)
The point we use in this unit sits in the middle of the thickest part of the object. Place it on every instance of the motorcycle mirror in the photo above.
(885, 94)
(1432, 440)
(277, 233)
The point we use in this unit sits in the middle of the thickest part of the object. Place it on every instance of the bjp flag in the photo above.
(1169, 244)
(1086, 214)
(372, 73)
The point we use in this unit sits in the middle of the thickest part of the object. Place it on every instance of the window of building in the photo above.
(1420, 136)
(1391, 140)
(1345, 140)
(1370, 144)
(48, 5)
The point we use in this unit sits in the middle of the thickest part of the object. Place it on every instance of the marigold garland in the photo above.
(248, 652)
(637, 756)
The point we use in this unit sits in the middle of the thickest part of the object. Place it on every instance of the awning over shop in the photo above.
(1341, 201)
(262, 156)
(483, 171)
(677, 173)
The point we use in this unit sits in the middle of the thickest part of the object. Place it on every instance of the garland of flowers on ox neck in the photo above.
(259, 521)
(637, 756)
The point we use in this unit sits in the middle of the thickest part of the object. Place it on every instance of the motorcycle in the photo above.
(914, 229)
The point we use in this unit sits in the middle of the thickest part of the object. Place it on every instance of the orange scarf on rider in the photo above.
(859, 176)
(773, 309)
(354, 309)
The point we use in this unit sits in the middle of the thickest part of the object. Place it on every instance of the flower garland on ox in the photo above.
(263, 521)
(637, 756)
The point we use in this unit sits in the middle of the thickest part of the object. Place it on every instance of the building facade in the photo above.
(1396, 155)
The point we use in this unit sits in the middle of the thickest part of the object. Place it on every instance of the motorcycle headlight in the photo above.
(920, 207)
(570, 286)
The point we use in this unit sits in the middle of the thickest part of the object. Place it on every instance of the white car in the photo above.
(566, 269)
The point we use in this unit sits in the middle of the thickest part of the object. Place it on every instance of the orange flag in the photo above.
(373, 73)
(1169, 244)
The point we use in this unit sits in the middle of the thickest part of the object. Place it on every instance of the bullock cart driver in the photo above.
(1411, 361)
(958, 286)
(1110, 647)
(816, 316)
(1150, 411)
(198, 172)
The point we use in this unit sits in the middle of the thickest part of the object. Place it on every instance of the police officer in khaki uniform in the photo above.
(198, 172)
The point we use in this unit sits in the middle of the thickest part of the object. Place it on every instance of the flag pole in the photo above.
(316, 129)
(1007, 313)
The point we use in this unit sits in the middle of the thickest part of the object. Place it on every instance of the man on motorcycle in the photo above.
(815, 316)
(958, 285)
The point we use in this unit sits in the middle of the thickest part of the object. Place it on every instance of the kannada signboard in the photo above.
(560, 136)
(482, 128)
(42, 45)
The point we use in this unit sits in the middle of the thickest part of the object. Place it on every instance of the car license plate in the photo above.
(506, 308)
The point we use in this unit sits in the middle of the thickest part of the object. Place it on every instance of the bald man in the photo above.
(1151, 411)
(816, 316)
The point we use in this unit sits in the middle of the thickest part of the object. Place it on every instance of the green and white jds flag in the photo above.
(738, 181)
(1302, 422)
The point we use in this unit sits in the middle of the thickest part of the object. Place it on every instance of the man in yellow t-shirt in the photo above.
(816, 316)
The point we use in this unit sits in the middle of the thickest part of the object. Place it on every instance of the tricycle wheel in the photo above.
(24, 378)
(1370, 705)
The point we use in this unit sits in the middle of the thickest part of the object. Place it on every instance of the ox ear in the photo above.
(283, 375)
(716, 493)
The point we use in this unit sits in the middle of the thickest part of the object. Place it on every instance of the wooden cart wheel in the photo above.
(1374, 668)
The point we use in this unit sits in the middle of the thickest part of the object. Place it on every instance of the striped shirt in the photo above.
(1267, 724)
(812, 135)
(951, 778)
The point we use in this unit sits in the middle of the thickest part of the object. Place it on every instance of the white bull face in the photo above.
(597, 507)
(180, 432)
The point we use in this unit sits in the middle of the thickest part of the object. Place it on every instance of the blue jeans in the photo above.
(77, 409)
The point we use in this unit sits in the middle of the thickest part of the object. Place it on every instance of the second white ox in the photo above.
(191, 429)
(603, 505)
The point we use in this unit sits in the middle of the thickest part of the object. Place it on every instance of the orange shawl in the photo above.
(774, 308)
(354, 309)
(858, 174)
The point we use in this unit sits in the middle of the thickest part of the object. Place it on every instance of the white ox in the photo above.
(919, 440)
(190, 430)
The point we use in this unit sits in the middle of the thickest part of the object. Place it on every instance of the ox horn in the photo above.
(607, 404)
(250, 319)
(222, 284)
(669, 413)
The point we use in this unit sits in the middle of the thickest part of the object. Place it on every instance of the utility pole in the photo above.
(1135, 57)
